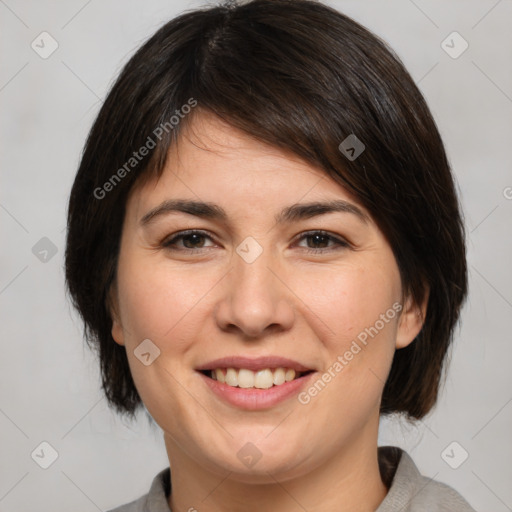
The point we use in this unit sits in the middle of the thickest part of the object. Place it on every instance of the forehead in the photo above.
(215, 162)
(208, 139)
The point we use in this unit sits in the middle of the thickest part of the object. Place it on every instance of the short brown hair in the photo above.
(303, 77)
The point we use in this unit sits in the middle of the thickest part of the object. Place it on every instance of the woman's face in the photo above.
(264, 285)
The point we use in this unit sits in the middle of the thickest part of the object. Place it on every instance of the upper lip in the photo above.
(254, 363)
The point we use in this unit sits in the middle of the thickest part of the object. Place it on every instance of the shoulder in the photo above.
(155, 500)
(409, 491)
(138, 505)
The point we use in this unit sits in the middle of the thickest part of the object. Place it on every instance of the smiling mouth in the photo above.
(247, 379)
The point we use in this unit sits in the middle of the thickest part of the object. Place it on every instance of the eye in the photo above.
(322, 241)
(189, 240)
(195, 240)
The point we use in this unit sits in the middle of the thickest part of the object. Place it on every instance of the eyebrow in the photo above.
(293, 213)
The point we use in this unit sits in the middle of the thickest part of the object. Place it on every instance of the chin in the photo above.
(263, 465)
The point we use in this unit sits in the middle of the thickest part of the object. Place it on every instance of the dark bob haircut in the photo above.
(302, 77)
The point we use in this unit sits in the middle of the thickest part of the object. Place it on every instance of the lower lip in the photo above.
(253, 399)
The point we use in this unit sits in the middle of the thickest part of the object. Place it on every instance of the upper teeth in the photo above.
(262, 379)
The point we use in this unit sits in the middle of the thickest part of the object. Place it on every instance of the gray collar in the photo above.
(409, 491)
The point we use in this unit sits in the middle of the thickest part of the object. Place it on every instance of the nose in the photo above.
(255, 299)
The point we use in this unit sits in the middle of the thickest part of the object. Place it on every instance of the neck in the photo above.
(349, 481)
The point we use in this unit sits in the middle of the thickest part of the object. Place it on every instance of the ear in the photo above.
(113, 308)
(411, 320)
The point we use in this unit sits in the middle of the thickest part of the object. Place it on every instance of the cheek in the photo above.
(352, 310)
(352, 298)
(155, 301)
(162, 305)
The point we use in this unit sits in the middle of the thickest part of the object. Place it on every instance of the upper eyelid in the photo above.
(323, 232)
(186, 232)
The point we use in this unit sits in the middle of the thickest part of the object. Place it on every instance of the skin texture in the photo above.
(307, 306)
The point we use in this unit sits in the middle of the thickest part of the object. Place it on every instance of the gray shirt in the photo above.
(409, 491)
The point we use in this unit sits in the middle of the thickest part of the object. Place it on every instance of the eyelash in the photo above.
(167, 244)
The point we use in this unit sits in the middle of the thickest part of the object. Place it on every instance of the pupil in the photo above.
(196, 238)
(317, 240)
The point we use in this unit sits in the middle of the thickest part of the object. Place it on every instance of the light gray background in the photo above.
(49, 384)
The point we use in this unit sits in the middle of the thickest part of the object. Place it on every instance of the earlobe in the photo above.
(411, 320)
(117, 329)
(117, 332)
